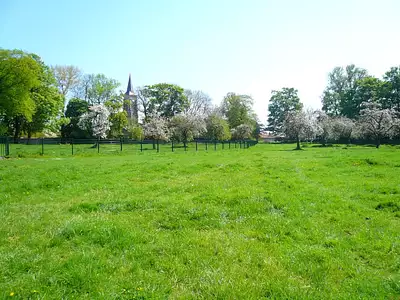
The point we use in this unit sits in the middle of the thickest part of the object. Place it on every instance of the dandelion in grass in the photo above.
(12, 294)
(139, 289)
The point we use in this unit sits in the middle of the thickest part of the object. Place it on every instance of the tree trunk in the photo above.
(378, 143)
(298, 144)
(17, 129)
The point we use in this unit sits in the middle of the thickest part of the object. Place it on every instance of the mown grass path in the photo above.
(265, 222)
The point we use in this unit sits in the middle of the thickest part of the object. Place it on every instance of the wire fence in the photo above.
(68, 147)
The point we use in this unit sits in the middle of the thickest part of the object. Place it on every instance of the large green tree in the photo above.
(96, 89)
(49, 102)
(28, 95)
(282, 102)
(392, 78)
(18, 76)
(338, 97)
(165, 99)
(75, 109)
(238, 110)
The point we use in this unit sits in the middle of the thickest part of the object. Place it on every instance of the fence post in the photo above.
(42, 146)
(196, 145)
(72, 146)
(184, 146)
(98, 145)
(215, 145)
(120, 143)
(229, 142)
(172, 145)
(158, 147)
(206, 146)
(141, 146)
(7, 147)
(222, 145)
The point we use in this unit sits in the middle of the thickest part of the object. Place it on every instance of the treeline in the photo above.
(355, 105)
(41, 100)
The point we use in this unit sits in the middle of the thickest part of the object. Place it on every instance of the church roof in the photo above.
(129, 90)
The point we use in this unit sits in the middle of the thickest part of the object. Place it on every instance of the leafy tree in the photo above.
(282, 102)
(238, 110)
(19, 75)
(369, 89)
(185, 128)
(75, 109)
(300, 125)
(49, 103)
(392, 78)
(199, 103)
(96, 89)
(96, 120)
(157, 128)
(377, 123)
(242, 132)
(338, 96)
(217, 128)
(68, 77)
(135, 131)
(143, 101)
(166, 99)
(118, 117)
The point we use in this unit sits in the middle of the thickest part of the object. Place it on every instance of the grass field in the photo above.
(264, 222)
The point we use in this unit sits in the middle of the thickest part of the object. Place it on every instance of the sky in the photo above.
(217, 46)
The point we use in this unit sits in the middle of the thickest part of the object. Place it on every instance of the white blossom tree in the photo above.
(157, 128)
(300, 125)
(377, 123)
(342, 128)
(185, 127)
(324, 124)
(242, 132)
(96, 121)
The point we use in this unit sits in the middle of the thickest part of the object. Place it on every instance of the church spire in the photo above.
(129, 90)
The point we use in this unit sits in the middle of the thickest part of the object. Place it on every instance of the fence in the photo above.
(4, 147)
(64, 147)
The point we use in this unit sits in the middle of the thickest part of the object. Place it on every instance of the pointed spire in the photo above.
(129, 88)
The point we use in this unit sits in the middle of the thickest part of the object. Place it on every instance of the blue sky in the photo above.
(217, 46)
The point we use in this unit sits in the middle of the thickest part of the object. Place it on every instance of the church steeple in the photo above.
(129, 90)
(130, 102)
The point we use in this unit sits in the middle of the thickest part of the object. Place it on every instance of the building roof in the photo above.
(129, 90)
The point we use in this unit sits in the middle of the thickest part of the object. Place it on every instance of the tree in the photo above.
(338, 96)
(377, 123)
(166, 99)
(96, 89)
(68, 77)
(19, 74)
(368, 89)
(238, 110)
(199, 103)
(342, 128)
(324, 123)
(156, 128)
(143, 101)
(392, 78)
(281, 102)
(217, 128)
(242, 132)
(118, 117)
(299, 125)
(185, 128)
(96, 121)
(49, 103)
(75, 109)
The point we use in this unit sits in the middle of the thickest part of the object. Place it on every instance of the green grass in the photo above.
(265, 222)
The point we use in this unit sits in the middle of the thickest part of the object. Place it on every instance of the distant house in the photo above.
(267, 137)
